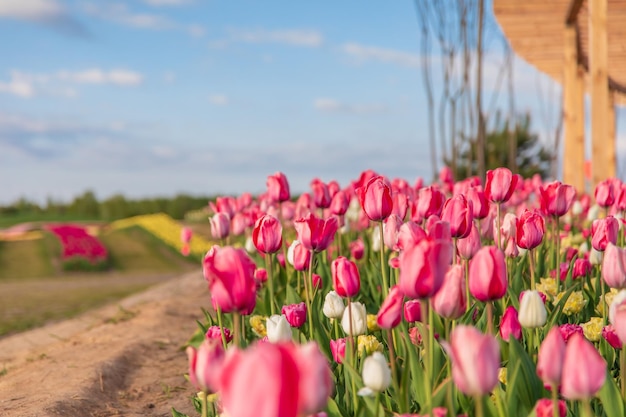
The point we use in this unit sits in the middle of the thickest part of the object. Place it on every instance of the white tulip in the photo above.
(278, 329)
(376, 243)
(249, 245)
(595, 257)
(333, 306)
(376, 374)
(359, 319)
(532, 311)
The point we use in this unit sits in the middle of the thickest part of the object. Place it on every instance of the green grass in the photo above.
(10, 220)
(135, 250)
(25, 259)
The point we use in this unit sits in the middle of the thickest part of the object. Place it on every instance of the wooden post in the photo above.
(573, 114)
(598, 72)
(611, 140)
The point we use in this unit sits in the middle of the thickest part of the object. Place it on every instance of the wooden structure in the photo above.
(582, 45)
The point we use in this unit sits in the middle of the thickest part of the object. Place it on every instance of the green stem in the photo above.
(478, 403)
(205, 406)
(498, 243)
(270, 282)
(383, 268)
(557, 242)
(336, 326)
(377, 405)
(605, 307)
(555, 400)
(622, 370)
(237, 329)
(499, 405)
(531, 259)
(426, 357)
(587, 411)
(392, 356)
(490, 317)
(307, 283)
(219, 322)
(467, 289)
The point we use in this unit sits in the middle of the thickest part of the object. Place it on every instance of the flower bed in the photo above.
(167, 230)
(80, 250)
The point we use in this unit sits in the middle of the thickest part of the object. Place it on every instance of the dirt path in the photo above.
(121, 360)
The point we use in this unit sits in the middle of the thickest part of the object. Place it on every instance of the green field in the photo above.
(35, 290)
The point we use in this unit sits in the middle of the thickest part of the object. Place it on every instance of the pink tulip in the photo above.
(605, 193)
(185, 234)
(340, 203)
(295, 314)
(375, 198)
(214, 333)
(346, 279)
(357, 249)
(338, 350)
(278, 187)
(584, 369)
(267, 234)
(400, 204)
(316, 234)
(500, 185)
(569, 329)
(321, 195)
(449, 302)
(205, 365)
(423, 267)
(429, 201)
(391, 229)
(620, 198)
(333, 188)
(487, 274)
(480, 204)
(582, 268)
(614, 266)
(316, 383)
(230, 274)
(239, 223)
(438, 229)
(226, 205)
(457, 211)
(390, 313)
(475, 360)
(220, 225)
(299, 256)
(510, 325)
(412, 311)
(409, 235)
(469, 245)
(317, 281)
(550, 358)
(609, 334)
(530, 230)
(545, 408)
(556, 198)
(603, 232)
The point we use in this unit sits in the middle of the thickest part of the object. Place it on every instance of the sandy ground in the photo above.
(125, 359)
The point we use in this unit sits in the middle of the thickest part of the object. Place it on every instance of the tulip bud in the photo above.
(605, 193)
(532, 311)
(510, 325)
(298, 256)
(375, 198)
(278, 187)
(205, 365)
(487, 274)
(321, 194)
(278, 329)
(550, 358)
(346, 279)
(338, 350)
(267, 234)
(614, 266)
(582, 358)
(469, 245)
(530, 230)
(316, 234)
(556, 198)
(449, 301)
(214, 332)
(457, 211)
(412, 311)
(545, 408)
(376, 374)
(390, 313)
(220, 225)
(333, 305)
(500, 184)
(359, 319)
(409, 235)
(603, 232)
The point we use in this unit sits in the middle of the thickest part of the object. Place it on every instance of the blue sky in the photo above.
(156, 97)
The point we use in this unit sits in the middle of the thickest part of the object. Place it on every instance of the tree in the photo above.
(532, 157)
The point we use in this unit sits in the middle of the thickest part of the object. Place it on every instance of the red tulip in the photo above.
(390, 313)
(500, 185)
(205, 365)
(614, 266)
(469, 245)
(412, 311)
(475, 360)
(267, 234)
(316, 234)
(375, 198)
(510, 325)
(584, 369)
(487, 274)
(295, 314)
(278, 187)
(530, 229)
(556, 198)
(582, 268)
(545, 408)
(230, 274)
(550, 358)
(457, 211)
(321, 195)
(346, 279)
(449, 301)
(603, 232)
(220, 225)
(605, 193)
(423, 267)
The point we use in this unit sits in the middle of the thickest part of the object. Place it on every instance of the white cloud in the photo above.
(120, 13)
(34, 10)
(295, 37)
(333, 106)
(27, 85)
(219, 99)
(372, 53)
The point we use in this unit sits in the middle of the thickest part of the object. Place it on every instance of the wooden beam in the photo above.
(573, 114)
(572, 11)
(598, 72)
(611, 143)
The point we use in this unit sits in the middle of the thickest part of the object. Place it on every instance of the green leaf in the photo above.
(525, 384)
(611, 398)
(332, 409)
(176, 413)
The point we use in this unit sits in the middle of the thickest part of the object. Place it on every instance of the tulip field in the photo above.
(383, 298)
